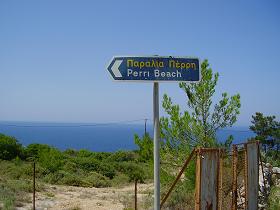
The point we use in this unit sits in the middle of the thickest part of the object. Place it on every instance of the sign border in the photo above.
(153, 81)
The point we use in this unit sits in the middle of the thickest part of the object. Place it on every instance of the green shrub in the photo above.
(133, 170)
(20, 185)
(107, 170)
(32, 151)
(52, 160)
(70, 166)
(121, 156)
(146, 146)
(84, 153)
(16, 170)
(70, 152)
(97, 180)
(53, 178)
(120, 180)
(9, 148)
(101, 155)
(87, 163)
(73, 180)
(272, 157)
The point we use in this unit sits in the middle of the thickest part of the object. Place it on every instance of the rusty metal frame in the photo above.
(236, 148)
(198, 180)
(245, 175)
(219, 177)
(234, 177)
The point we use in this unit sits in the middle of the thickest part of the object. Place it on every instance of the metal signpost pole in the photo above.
(155, 69)
(156, 148)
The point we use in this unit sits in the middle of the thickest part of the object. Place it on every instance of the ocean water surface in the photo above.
(93, 137)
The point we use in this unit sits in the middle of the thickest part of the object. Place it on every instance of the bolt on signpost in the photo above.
(155, 69)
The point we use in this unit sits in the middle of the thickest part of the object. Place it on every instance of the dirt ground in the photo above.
(56, 197)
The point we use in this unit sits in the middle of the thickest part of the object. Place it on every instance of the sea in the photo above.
(94, 137)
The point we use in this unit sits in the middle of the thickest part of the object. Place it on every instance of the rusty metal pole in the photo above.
(34, 189)
(135, 194)
(178, 177)
(220, 179)
(198, 180)
(234, 178)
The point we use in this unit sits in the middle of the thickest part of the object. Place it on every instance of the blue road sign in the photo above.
(154, 68)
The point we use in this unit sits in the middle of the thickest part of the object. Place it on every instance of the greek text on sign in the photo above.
(154, 68)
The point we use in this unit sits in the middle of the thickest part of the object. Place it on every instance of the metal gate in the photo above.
(225, 180)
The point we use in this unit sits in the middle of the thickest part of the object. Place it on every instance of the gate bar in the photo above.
(177, 178)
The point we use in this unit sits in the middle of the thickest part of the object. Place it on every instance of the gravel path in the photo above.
(56, 197)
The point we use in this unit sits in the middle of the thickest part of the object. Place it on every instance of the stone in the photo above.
(276, 170)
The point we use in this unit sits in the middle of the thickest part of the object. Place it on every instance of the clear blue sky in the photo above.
(53, 55)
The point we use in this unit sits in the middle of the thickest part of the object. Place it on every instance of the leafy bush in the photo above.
(145, 147)
(101, 155)
(32, 151)
(132, 170)
(51, 160)
(107, 170)
(71, 167)
(87, 163)
(120, 180)
(97, 180)
(121, 156)
(72, 179)
(9, 148)
(70, 152)
(272, 157)
(53, 178)
(14, 170)
(84, 153)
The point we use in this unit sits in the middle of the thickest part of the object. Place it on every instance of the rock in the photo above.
(268, 165)
(276, 170)
(262, 206)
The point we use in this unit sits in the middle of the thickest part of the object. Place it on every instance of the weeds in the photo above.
(7, 197)
(274, 198)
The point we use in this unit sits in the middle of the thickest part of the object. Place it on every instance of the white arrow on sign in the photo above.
(115, 68)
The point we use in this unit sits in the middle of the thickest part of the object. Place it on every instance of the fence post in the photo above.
(208, 179)
(246, 174)
(252, 175)
(135, 194)
(220, 179)
(34, 189)
(264, 182)
(198, 179)
(234, 178)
